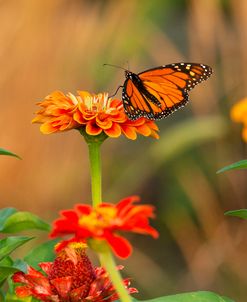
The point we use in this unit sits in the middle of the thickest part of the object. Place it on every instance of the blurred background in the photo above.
(62, 45)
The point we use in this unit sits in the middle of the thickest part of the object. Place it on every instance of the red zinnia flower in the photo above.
(70, 278)
(104, 221)
(96, 113)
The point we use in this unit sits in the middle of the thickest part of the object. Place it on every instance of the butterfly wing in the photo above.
(157, 92)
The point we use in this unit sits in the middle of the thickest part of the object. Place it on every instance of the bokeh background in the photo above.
(62, 45)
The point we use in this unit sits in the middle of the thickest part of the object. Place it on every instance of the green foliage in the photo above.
(4, 214)
(201, 296)
(6, 271)
(1, 295)
(242, 213)
(242, 164)
(42, 253)
(12, 221)
(8, 267)
(12, 297)
(8, 153)
(9, 244)
(20, 221)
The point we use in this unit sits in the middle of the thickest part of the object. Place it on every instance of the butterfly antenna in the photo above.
(116, 66)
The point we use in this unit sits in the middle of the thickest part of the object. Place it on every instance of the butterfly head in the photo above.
(133, 77)
(128, 74)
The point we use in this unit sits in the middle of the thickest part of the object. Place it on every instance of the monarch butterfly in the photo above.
(156, 93)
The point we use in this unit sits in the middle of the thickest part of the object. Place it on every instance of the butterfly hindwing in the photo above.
(158, 92)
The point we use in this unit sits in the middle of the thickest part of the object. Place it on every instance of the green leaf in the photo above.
(20, 265)
(8, 245)
(242, 164)
(24, 221)
(242, 213)
(6, 271)
(201, 296)
(1, 296)
(6, 261)
(6, 152)
(7, 268)
(42, 253)
(4, 214)
(12, 297)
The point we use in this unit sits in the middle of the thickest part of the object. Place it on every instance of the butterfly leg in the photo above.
(111, 96)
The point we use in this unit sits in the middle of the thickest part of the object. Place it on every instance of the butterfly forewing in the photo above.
(157, 92)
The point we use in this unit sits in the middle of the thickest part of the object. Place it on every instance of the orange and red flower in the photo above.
(71, 277)
(239, 115)
(96, 113)
(105, 221)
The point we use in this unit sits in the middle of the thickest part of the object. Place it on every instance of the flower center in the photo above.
(100, 218)
(97, 102)
(72, 263)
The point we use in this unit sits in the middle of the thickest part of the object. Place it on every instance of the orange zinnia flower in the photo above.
(105, 221)
(96, 113)
(239, 115)
(71, 277)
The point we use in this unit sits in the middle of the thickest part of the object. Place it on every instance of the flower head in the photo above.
(93, 113)
(105, 221)
(71, 277)
(239, 115)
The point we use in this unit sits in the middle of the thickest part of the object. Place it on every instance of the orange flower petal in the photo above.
(144, 130)
(92, 128)
(47, 128)
(129, 132)
(104, 123)
(244, 134)
(239, 111)
(152, 125)
(154, 134)
(78, 117)
(95, 112)
(114, 131)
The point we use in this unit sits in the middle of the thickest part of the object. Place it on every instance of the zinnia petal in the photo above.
(92, 113)
(92, 128)
(62, 285)
(120, 245)
(129, 132)
(105, 221)
(114, 131)
(70, 277)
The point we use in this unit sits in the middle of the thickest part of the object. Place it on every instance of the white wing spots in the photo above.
(177, 67)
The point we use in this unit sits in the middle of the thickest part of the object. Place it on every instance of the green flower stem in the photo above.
(94, 143)
(95, 167)
(105, 255)
(108, 262)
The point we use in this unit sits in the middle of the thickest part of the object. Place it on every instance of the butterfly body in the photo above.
(158, 92)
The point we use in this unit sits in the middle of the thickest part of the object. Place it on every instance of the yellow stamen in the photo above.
(99, 218)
